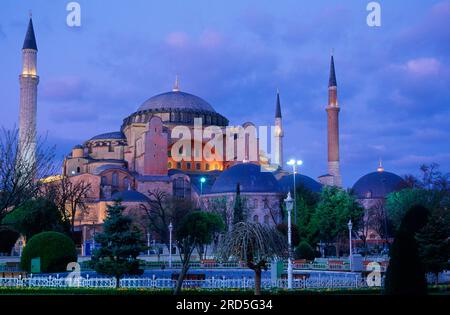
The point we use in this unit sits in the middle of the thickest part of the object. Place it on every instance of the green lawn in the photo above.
(434, 290)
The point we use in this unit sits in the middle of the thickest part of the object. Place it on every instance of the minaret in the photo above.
(28, 98)
(279, 133)
(333, 128)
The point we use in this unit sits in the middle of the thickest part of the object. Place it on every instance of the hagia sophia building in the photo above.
(138, 159)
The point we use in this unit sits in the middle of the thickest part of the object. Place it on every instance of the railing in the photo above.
(218, 283)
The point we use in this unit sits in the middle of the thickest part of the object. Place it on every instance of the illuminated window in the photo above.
(169, 165)
(207, 166)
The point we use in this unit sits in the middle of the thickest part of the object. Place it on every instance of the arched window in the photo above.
(266, 219)
(115, 179)
(104, 180)
(255, 218)
(169, 165)
(78, 169)
(207, 166)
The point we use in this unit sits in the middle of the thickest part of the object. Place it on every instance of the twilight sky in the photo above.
(393, 81)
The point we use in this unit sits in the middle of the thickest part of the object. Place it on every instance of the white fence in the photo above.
(244, 283)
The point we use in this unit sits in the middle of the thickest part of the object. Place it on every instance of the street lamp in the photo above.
(289, 203)
(202, 181)
(294, 164)
(170, 244)
(350, 226)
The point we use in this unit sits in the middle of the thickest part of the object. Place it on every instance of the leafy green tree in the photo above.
(35, 216)
(434, 243)
(304, 251)
(398, 203)
(120, 244)
(335, 208)
(406, 272)
(255, 244)
(197, 228)
(55, 250)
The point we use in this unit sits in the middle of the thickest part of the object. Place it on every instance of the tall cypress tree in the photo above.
(238, 210)
(120, 244)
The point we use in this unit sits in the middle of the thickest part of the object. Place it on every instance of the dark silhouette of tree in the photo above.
(406, 272)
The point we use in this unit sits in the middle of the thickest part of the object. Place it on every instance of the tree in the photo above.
(304, 251)
(197, 228)
(55, 250)
(70, 195)
(398, 203)
(406, 272)
(8, 238)
(18, 177)
(306, 203)
(35, 216)
(283, 229)
(335, 208)
(162, 209)
(254, 243)
(434, 243)
(120, 244)
(239, 213)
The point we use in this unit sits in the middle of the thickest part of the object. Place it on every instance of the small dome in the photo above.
(287, 183)
(78, 146)
(117, 135)
(176, 100)
(249, 176)
(378, 185)
(130, 196)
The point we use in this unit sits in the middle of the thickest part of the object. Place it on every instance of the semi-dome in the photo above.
(286, 183)
(250, 178)
(378, 184)
(116, 135)
(176, 100)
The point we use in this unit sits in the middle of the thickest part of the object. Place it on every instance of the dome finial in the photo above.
(380, 166)
(176, 86)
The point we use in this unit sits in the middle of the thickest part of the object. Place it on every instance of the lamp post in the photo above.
(93, 238)
(170, 244)
(289, 203)
(148, 243)
(294, 164)
(350, 226)
(202, 181)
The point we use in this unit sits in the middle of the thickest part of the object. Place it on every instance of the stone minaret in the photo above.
(279, 133)
(333, 128)
(28, 97)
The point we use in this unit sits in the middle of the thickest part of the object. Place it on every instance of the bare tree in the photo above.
(70, 196)
(163, 209)
(254, 243)
(20, 171)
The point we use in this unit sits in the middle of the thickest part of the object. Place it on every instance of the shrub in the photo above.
(304, 251)
(55, 249)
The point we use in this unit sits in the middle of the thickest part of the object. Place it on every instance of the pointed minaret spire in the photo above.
(278, 108)
(279, 133)
(30, 39)
(176, 86)
(332, 80)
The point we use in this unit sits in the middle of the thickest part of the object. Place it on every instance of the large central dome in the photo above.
(176, 100)
(176, 107)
